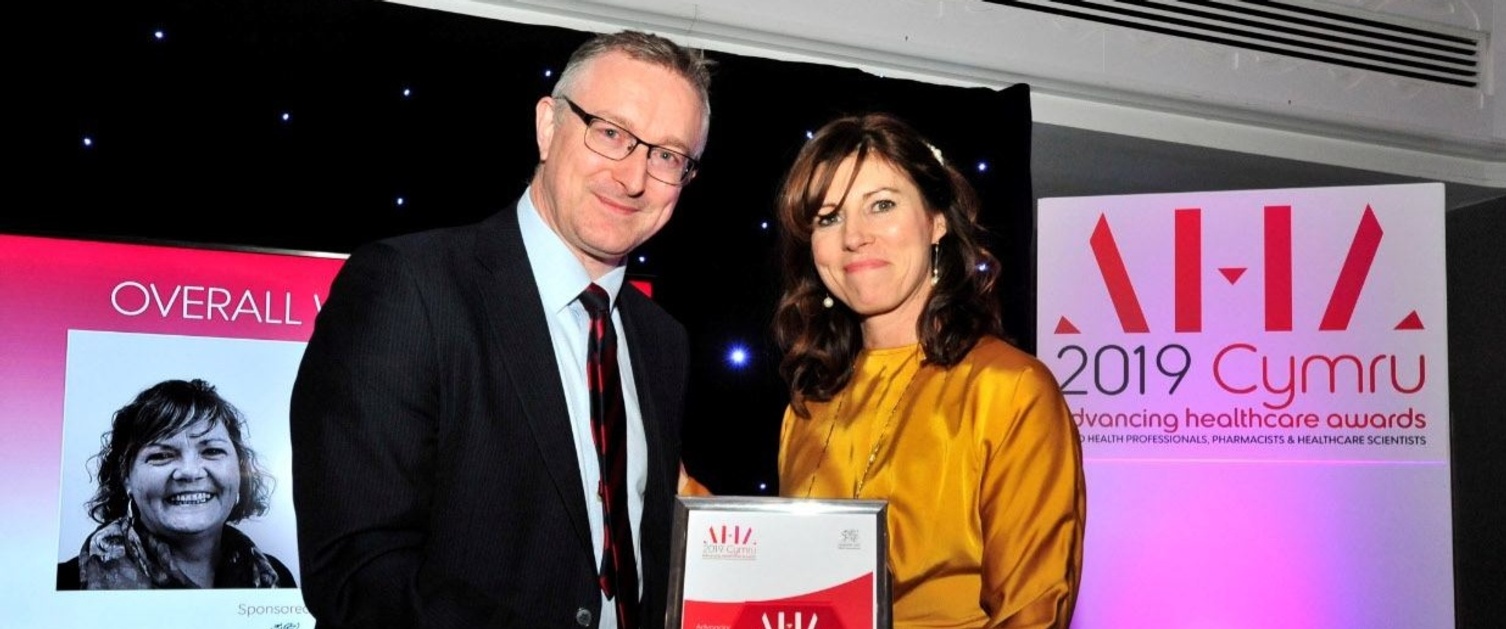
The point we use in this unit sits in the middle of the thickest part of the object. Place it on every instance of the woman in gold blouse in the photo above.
(903, 389)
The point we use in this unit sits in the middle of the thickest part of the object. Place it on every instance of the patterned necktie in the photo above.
(619, 571)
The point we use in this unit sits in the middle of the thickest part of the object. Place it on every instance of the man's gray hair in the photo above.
(690, 64)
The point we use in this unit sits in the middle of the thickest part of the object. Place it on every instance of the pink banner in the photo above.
(84, 327)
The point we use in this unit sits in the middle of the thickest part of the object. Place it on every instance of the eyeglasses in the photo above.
(616, 143)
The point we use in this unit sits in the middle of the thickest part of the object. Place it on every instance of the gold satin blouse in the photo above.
(982, 469)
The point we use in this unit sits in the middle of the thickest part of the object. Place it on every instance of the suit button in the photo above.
(583, 617)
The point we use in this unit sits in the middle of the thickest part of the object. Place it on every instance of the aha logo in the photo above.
(795, 621)
(729, 542)
(788, 615)
(1241, 368)
(1187, 296)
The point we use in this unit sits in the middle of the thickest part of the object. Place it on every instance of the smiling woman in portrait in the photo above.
(174, 472)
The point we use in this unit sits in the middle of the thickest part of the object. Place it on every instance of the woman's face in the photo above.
(186, 484)
(874, 251)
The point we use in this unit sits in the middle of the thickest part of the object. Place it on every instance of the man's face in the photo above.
(604, 208)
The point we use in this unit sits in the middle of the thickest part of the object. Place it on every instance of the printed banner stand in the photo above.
(756, 562)
(1260, 380)
(87, 325)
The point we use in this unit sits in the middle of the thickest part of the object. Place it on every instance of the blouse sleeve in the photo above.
(689, 486)
(1033, 500)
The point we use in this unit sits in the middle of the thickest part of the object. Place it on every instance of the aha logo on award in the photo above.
(788, 616)
(729, 542)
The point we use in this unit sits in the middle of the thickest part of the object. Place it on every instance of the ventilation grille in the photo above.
(1291, 29)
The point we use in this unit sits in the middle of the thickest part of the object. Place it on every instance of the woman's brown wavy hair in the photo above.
(820, 344)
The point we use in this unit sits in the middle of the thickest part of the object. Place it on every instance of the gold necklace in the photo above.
(878, 442)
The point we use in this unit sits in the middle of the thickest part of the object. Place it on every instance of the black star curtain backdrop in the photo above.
(321, 125)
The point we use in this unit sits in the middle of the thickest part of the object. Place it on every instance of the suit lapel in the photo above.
(521, 343)
(647, 367)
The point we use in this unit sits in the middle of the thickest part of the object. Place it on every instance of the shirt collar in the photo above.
(557, 273)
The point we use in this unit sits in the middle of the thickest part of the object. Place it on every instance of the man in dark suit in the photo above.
(444, 467)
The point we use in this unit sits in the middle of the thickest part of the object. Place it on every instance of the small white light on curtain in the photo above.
(737, 356)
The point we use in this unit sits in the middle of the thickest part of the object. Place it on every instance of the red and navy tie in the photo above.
(619, 571)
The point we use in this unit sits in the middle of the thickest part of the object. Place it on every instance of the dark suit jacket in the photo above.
(434, 471)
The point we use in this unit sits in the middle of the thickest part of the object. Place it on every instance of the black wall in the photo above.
(189, 144)
(1476, 243)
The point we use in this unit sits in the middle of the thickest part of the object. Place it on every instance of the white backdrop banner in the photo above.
(1260, 379)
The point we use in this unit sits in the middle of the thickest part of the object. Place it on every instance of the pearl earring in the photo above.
(828, 302)
(935, 263)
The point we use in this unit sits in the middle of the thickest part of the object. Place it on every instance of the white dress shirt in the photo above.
(560, 278)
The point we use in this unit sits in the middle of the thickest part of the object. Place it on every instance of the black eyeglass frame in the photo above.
(691, 164)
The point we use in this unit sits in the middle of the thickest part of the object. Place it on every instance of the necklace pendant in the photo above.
(878, 441)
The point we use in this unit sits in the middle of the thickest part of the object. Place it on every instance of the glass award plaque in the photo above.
(749, 562)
